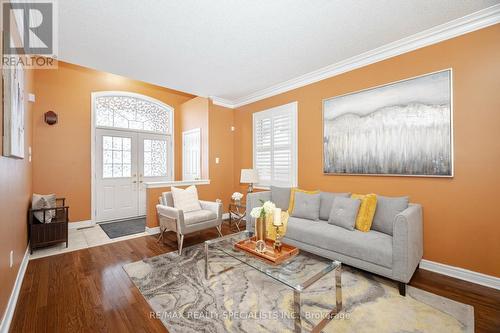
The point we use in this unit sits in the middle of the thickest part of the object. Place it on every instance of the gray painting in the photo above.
(403, 128)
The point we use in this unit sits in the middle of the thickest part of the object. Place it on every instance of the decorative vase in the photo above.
(260, 234)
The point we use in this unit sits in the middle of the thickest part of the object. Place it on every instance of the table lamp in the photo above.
(249, 176)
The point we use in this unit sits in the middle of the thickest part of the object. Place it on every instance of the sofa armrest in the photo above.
(215, 207)
(254, 200)
(407, 243)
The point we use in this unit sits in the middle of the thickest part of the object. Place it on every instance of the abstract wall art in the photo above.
(402, 128)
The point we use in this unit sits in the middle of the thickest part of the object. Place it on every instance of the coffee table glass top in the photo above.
(298, 272)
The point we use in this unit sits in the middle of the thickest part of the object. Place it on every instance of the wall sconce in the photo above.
(50, 117)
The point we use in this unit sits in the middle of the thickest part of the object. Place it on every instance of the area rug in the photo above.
(237, 298)
(124, 228)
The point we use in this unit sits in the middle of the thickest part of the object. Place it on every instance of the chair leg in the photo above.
(180, 240)
(160, 237)
(219, 230)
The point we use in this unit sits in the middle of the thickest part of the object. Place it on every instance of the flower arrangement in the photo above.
(237, 196)
(267, 209)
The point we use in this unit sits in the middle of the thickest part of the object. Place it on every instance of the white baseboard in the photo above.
(153, 231)
(80, 224)
(460, 273)
(11, 305)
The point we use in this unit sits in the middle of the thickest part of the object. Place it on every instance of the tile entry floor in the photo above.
(80, 239)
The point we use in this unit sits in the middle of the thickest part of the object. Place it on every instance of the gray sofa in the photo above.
(394, 251)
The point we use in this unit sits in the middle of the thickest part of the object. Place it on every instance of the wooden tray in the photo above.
(270, 255)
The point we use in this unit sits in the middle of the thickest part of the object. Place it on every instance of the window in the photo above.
(116, 159)
(148, 152)
(155, 158)
(132, 113)
(275, 145)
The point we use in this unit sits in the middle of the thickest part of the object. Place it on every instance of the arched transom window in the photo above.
(134, 113)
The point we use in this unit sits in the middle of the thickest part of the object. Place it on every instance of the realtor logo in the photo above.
(29, 32)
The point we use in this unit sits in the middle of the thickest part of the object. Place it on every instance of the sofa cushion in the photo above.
(306, 206)
(344, 212)
(326, 202)
(280, 196)
(372, 246)
(387, 209)
(198, 216)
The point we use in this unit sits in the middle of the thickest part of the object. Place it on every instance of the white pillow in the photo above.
(186, 199)
(44, 201)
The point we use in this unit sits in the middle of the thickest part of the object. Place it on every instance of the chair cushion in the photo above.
(306, 206)
(326, 202)
(387, 209)
(280, 196)
(372, 246)
(186, 199)
(344, 212)
(198, 216)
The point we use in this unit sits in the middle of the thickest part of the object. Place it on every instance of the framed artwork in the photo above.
(13, 112)
(402, 128)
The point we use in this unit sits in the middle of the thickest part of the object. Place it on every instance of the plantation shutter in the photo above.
(275, 145)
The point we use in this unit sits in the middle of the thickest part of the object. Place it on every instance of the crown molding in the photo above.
(469, 23)
(222, 102)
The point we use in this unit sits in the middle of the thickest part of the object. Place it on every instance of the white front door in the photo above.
(124, 161)
(116, 175)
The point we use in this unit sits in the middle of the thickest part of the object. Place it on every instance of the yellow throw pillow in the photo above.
(292, 197)
(366, 211)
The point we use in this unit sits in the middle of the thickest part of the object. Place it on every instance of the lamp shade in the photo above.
(249, 176)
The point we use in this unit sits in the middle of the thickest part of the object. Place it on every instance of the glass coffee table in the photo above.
(297, 273)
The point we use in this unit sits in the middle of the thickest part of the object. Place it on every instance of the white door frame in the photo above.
(94, 95)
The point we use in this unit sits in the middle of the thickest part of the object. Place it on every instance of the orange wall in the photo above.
(193, 114)
(15, 198)
(461, 219)
(61, 153)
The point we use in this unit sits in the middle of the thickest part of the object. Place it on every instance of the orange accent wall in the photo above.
(194, 114)
(461, 216)
(15, 199)
(61, 153)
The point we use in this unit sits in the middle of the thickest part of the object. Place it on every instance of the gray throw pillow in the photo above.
(344, 212)
(325, 206)
(306, 206)
(39, 201)
(280, 196)
(387, 209)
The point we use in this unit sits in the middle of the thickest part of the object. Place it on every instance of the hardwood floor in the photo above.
(88, 291)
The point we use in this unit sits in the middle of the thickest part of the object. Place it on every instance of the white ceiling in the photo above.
(233, 48)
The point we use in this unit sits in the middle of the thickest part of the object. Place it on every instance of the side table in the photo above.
(237, 213)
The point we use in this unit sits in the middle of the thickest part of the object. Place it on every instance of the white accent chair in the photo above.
(173, 219)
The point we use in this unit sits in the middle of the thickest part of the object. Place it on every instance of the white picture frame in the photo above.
(13, 112)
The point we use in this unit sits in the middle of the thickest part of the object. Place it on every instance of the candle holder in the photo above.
(277, 241)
